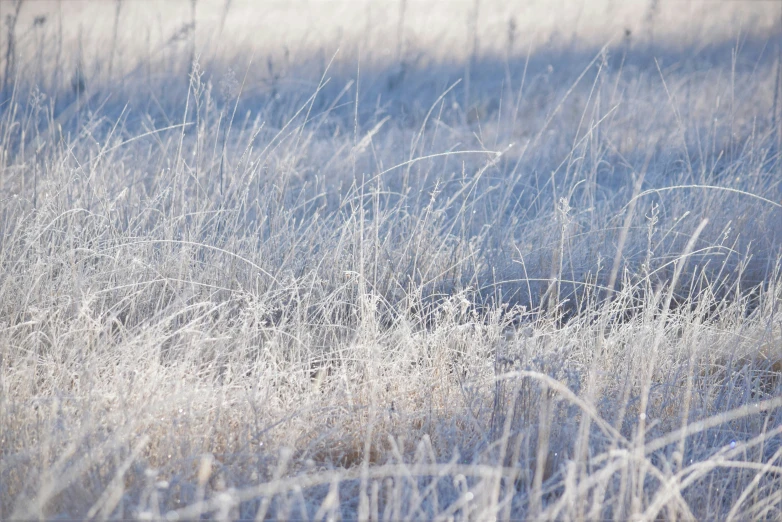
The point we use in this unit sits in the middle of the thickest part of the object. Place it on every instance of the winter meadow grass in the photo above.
(399, 260)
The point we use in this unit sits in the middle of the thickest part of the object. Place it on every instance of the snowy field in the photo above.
(404, 260)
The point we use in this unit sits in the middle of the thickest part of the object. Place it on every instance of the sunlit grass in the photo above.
(447, 261)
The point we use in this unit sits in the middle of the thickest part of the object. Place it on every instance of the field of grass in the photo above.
(404, 260)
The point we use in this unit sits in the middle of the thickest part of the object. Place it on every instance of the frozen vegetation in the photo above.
(399, 260)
